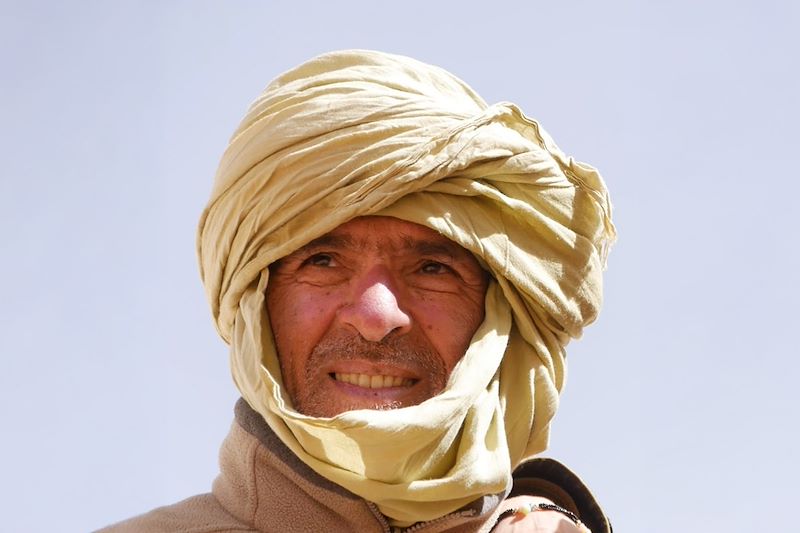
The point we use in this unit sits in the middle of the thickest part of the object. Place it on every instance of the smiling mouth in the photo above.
(373, 381)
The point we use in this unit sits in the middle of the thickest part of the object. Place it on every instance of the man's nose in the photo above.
(374, 310)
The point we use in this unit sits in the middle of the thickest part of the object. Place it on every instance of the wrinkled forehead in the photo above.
(375, 234)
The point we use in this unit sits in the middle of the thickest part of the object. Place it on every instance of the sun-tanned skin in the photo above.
(373, 315)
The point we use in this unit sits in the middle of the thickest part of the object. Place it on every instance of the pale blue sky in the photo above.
(680, 411)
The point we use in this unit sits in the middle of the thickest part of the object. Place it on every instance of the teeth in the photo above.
(374, 382)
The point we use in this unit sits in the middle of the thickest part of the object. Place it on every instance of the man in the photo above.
(397, 268)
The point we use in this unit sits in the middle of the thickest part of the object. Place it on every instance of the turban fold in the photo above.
(359, 133)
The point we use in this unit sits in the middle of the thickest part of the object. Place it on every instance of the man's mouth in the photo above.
(368, 381)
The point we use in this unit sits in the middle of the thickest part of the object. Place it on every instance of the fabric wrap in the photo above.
(358, 133)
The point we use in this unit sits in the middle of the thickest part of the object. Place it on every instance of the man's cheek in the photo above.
(309, 307)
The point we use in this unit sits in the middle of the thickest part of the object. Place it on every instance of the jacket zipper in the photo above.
(379, 517)
(422, 525)
(419, 526)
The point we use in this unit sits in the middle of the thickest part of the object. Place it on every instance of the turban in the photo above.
(358, 133)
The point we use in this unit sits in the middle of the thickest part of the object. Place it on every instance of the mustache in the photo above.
(392, 349)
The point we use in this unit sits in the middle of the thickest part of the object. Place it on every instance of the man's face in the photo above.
(373, 315)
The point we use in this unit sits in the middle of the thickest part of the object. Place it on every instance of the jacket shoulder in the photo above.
(198, 514)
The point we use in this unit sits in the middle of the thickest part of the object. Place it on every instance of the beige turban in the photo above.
(359, 133)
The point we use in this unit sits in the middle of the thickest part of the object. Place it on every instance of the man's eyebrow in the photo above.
(431, 247)
(407, 243)
(327, 241)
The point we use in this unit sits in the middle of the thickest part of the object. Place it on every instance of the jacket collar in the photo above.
(263, 484)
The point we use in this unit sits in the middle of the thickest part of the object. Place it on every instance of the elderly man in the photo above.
(397, 268)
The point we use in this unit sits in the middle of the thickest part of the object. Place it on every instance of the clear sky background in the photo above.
(680, 411)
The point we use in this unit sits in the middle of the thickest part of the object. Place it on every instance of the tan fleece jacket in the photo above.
(263, 487)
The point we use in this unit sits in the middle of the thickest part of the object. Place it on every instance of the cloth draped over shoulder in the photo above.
(358, 133)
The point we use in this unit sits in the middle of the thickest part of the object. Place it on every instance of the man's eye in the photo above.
(433, 267)
(320, 260)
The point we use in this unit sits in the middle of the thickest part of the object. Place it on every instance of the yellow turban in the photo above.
(357, 133)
